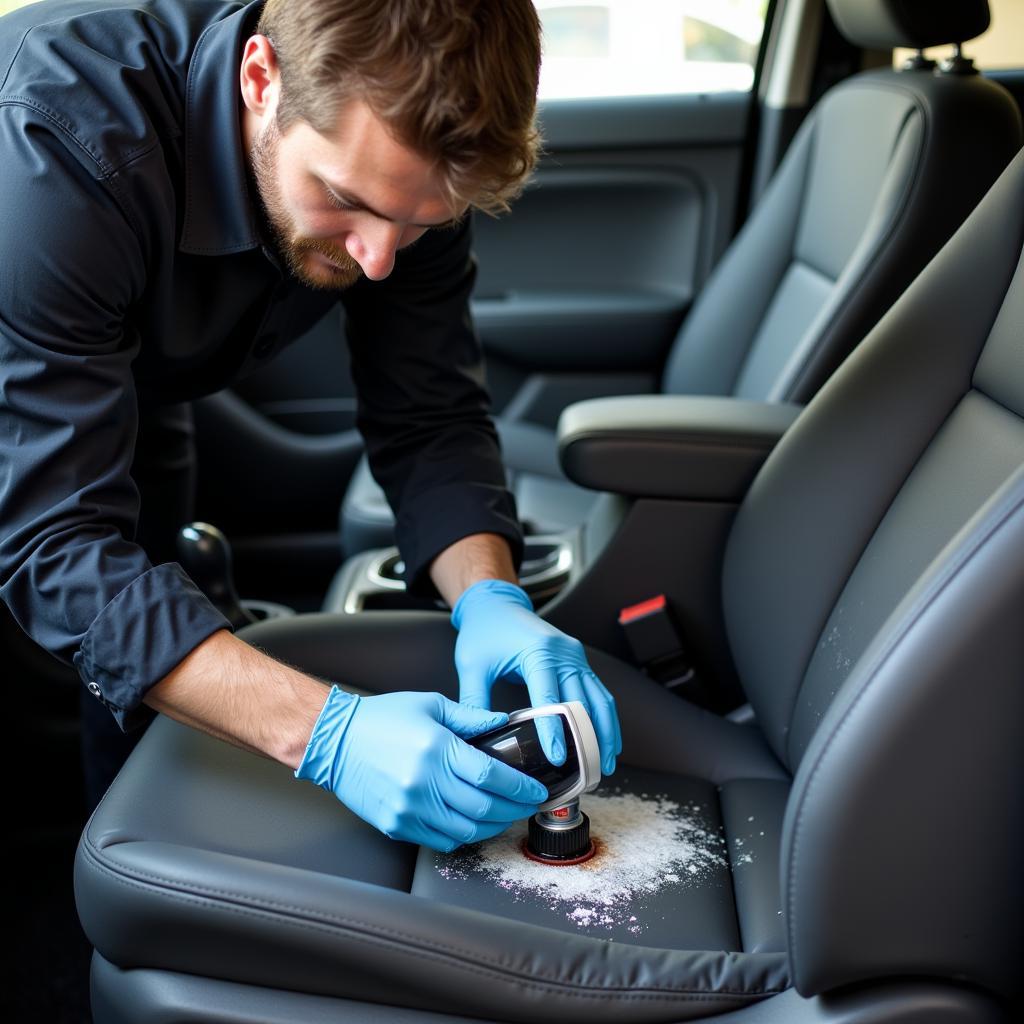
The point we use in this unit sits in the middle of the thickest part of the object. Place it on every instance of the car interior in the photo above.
(757, 360)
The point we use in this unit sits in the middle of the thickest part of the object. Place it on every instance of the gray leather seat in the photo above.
(883, 170)
(873, 584)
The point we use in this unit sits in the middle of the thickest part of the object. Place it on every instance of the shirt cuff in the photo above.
(436, 519)
(142, 633)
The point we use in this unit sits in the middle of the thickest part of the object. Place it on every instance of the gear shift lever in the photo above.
(205, 555)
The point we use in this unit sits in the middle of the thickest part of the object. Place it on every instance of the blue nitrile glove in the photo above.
(499, 635)
(397, 761)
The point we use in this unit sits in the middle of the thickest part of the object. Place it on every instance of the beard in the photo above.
(343, 271)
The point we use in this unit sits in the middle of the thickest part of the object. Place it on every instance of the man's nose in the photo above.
(373, 247)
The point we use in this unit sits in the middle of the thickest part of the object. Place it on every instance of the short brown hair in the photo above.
(455, 80)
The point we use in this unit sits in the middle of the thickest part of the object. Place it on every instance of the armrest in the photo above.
(670, 446)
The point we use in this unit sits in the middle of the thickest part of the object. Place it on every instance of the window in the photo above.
(642, 47)
(576, 32)
(648, 47)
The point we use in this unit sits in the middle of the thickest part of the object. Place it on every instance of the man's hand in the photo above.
(499, 635)
(397, 760)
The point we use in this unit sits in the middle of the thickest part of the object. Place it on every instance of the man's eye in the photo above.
(337, 202)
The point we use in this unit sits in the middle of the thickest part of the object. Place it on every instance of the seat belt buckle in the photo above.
(654, 637)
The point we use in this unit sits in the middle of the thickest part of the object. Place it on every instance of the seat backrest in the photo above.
(882, 171)
(874, 597)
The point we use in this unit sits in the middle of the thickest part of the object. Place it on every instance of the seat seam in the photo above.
(912, 617)
(812, 123)
(995, 401)
(414, 947)
(806, 264)
(851, 568)
(913, 185)
(731, 868)
(720, 788)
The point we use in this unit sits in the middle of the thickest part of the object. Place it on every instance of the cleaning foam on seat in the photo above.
(646, 843)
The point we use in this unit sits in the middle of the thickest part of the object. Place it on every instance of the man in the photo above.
(188, 185)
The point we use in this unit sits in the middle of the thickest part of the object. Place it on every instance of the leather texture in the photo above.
(881, 817)
(884, 24)
(882, 171)
(669, 446)
(880, 657)
(868, 427)
(165, 997)
(752, 813)
(880, 174)
(688, 916)
(873, 585)
(246, 878)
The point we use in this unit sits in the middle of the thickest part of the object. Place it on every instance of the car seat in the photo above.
(864, 830)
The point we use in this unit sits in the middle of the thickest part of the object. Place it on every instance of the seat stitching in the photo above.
(386, 937)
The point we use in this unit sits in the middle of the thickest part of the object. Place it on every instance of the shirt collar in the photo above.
(219, 216)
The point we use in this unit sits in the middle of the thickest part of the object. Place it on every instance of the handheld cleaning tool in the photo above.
(560, 832)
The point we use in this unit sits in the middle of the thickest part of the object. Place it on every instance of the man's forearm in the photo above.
(481, 556)
(231, 690)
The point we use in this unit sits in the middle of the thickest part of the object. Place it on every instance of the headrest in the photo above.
(883, 24)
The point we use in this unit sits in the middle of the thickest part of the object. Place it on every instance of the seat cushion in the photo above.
(674, 856)
(205, 859)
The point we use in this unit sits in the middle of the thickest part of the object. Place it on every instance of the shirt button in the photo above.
(265, 346)
(94, 689)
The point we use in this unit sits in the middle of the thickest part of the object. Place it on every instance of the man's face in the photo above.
(341, 207)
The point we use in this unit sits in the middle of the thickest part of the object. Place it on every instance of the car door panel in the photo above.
(592, 272)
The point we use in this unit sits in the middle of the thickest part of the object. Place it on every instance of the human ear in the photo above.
(259, 76)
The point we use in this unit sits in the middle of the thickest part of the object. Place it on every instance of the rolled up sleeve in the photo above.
(70, 571)
(423, 405)
(143, 632)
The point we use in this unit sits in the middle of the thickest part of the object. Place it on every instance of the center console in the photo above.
(372, 580)
(672, 470)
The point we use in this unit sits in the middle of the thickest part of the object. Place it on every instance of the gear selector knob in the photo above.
(205, 555)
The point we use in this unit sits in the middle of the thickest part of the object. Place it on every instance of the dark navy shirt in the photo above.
(135, 267)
